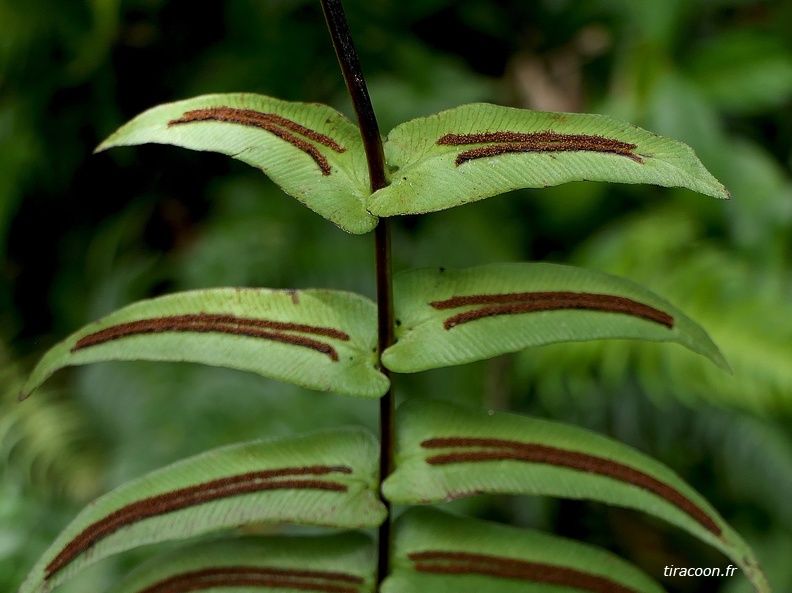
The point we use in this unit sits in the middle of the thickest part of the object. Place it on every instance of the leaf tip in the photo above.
(721, 192)
(716, 357)
(106, 143)
(110, 142)
(724, 365)
(27, 390)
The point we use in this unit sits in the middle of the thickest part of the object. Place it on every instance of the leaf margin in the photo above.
(424, 529)
(341, 201)
(330, 305)
(355, 447)
(324, 553)
(419, 338)
(415, 425)
(423, 174)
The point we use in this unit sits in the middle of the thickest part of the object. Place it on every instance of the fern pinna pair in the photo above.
(328, 340)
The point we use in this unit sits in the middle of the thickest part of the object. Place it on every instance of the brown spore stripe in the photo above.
(506, 450)
(231, 114)
(236, 320)
(527, 302)
(254, 576)
(460, 563)
(182, 498)
(230, 324)
(510, 297)
(273, 123)
(515, 309)
(546, 141)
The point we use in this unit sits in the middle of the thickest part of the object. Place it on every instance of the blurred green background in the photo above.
(82, 235)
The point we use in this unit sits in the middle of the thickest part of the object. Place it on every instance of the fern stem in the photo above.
(372, 142)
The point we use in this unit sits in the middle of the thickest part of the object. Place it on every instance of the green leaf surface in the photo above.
(319, 339)
(326, 478)
(436, 164)
(447, 317)
(313, 152)
(442, 553)
(275, 564)
(444, 452)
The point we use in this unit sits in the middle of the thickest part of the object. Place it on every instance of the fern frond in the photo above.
(46, 443)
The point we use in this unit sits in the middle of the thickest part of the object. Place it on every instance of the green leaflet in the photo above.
(441, 553)
(448, 159)
(311, 151)
(449, 317)
(445, 452)
(319, 339)
(326, 478)
(273, 564)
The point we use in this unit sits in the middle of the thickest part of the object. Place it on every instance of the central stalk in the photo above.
(372, 142)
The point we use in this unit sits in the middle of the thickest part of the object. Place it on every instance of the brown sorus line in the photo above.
(320, 160)
(253, 322)
(213, 113)
(527, 302)
(515, 297)
(648, 313)
(506, 450)
(229, 324)
(94, 339)
(498, 149)
(545, 136)
(182, 498)
(467, 563)
(256, 581)
(546, 141)
(241, 576)
(270, 122)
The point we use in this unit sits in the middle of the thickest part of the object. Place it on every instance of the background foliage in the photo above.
(82, 235)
